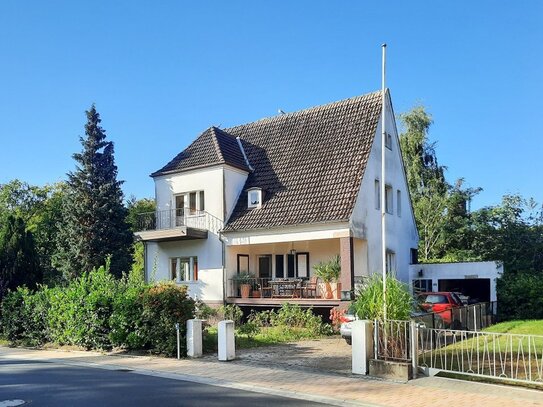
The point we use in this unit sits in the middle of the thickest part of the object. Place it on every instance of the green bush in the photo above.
(519, 296)
(232, 312)
(79, 314)
(25, 317)
(369, 299)
(164, 305)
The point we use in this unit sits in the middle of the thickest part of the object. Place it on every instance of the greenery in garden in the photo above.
(98, 311)
(288, 323)
(94, 225)
(369, 302)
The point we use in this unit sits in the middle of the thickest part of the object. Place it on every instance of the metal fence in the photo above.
(496, 355)
(469, 318)
(392, 340)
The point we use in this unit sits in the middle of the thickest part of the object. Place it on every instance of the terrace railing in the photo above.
(173, 218)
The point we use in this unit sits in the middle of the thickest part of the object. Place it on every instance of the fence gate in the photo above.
(495, 355)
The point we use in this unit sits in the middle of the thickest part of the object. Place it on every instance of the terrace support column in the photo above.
(346, 278)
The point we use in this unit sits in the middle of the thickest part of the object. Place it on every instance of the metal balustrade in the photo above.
(173, 218)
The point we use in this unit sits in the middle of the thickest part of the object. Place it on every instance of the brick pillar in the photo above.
(347, 265)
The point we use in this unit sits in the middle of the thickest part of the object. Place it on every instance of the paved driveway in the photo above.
(330, 354)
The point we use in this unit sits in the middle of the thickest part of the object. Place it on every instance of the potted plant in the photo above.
(244, 281)
(328, 272)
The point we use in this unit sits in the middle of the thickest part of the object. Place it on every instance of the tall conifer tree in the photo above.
(94, 225)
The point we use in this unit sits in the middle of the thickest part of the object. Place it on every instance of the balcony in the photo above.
(176, 224)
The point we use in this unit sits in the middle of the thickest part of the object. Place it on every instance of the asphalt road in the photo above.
(52, 384)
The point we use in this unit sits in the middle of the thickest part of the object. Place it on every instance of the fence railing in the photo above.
(498, 355)
(256, 286)
(469, 318)
(392, 340)
(173, 218)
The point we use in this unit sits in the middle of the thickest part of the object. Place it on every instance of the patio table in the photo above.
(282, 288)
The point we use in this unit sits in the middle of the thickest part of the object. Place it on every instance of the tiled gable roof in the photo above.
(214, 146)
(309, 163)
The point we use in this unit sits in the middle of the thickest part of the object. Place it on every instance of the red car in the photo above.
(442, 303)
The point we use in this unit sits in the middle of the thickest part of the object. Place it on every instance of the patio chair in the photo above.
(309, 290)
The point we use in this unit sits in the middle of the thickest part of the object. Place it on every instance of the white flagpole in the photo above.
(383, 185)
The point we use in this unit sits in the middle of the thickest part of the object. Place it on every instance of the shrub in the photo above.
(232, 312)
(519, 296)
(249, 329)
(79, 314)
(369, 299)
(25, 317)
(164, 305)
(292, 316)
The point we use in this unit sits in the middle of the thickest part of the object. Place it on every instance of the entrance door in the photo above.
(265, 266)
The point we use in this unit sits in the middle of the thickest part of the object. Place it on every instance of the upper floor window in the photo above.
(183, 269)
(377, 195)
(391, 262)
(254, 198)
(388, 199)
(189, 203)
(388, 141)
(399, 202)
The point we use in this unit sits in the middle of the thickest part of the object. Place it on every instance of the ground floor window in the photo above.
(184, 269)
(391, 262)
(422, 285)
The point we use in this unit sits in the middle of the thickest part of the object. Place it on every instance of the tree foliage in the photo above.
(440, 209)
(18, 257)
(94, 223)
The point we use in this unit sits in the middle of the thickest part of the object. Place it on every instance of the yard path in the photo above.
(311, 382)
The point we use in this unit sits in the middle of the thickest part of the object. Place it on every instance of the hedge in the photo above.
(96, 311)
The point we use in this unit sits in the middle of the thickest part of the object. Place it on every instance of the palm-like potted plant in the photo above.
(328, 272)
(244, 281)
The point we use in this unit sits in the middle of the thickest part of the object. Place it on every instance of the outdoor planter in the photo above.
(245, 290)
(256, 294)
(336, 290)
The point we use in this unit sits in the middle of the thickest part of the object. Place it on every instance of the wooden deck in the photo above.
(273, 302)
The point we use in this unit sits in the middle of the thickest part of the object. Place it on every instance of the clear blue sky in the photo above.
(160, 72)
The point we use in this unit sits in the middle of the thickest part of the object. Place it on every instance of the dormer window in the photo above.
(254, 198)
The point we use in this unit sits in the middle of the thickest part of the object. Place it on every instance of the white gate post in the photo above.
(362, 346)
(414, 340)
(227, 345)
(194, 338)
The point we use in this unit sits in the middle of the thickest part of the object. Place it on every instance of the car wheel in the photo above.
(349, 340)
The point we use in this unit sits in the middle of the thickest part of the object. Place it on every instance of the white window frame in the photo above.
(250, 198)
(185, 268)
(389, 199)
(399, 203)
(391, 262)
(388, 141)
(377, 194)
(199, 201)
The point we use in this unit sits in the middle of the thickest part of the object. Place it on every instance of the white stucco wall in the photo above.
(464, 270)
(221, 185)
(401, 232)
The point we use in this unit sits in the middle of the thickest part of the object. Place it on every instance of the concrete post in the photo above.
(194, 338)
(362, 346)
(227, 346)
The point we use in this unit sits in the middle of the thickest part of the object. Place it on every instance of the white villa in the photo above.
(277, 196)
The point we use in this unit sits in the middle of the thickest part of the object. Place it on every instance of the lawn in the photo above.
(510, 350)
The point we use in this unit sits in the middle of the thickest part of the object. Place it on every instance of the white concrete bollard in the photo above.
(194, 338)
(362, 346)
(227, 346)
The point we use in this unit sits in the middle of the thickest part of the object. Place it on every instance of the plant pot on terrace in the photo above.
(245, 282)
(329, 272)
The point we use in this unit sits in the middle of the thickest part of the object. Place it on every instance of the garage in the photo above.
(476, 280)
(477, 289)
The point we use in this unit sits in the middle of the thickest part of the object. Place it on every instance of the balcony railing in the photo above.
(175, 218)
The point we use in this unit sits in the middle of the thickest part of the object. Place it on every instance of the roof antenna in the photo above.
(280, 111)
